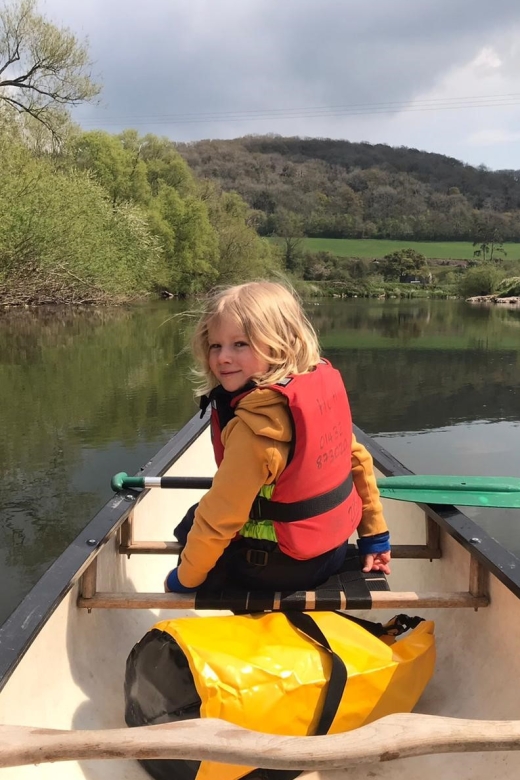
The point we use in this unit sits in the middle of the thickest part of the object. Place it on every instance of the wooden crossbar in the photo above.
(430, 551)
(380, 600)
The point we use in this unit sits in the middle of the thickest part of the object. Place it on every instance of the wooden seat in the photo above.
(349, 589)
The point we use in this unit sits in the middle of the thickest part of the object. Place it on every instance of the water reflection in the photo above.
(86, 393)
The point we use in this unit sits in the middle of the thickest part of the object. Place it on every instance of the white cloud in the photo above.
(493, 138)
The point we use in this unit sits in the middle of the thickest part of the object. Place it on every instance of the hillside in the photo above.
(330, 188)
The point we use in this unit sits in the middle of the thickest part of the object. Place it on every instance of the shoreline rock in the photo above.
(513, 300)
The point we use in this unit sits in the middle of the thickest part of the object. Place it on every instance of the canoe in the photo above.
(63, 650)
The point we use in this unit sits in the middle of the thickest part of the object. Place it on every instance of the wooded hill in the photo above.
(324, 187)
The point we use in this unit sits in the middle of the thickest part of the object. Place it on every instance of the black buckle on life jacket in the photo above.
(257, 557)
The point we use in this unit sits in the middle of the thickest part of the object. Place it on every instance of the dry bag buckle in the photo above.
(257, 557)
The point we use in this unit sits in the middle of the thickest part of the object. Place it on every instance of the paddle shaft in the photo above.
(501, 492)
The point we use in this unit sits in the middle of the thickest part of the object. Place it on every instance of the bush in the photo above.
(482, 280)
(509, 287)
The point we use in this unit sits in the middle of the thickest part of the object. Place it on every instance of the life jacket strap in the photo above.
(264, 509)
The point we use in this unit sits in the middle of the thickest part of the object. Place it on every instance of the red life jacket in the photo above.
(314, 506)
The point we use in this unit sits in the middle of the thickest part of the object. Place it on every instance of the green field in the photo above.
(374, 248)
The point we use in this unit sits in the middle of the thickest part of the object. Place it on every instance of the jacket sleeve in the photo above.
(250, 461)
(372, 520)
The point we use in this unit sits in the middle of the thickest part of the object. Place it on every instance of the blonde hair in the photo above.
(273, 321)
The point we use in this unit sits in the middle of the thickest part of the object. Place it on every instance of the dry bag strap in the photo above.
(264, 509)
(338, 674)
(395, 627)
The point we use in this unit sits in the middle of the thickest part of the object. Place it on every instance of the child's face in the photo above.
(232, 360)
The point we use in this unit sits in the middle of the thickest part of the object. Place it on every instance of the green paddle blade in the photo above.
(501, 492)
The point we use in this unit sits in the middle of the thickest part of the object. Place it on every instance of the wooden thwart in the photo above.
(392, 737)
(380, 600)
(129, 546)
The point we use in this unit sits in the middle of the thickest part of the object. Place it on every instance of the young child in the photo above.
(292, 484)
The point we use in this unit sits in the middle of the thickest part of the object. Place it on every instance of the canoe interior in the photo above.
(71, 676)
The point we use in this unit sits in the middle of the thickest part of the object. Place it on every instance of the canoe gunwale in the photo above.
(24, 624)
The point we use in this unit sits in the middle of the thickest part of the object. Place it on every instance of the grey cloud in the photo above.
(196, 56)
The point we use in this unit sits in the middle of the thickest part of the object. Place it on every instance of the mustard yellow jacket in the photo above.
(256, 443)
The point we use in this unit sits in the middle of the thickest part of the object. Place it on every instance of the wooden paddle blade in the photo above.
(395, 736)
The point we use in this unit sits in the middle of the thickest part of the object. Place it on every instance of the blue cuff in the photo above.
(174, 585)
(371, 545)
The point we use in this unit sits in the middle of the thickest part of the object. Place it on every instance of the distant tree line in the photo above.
(337, 189)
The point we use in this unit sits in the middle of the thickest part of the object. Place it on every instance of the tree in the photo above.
(398, 265)
(164, 165)
(43, 69)
(188, 240)
(289, 226)
(487, 237)
(489, 246)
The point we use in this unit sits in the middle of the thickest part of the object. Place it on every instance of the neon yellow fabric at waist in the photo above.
(261, 529)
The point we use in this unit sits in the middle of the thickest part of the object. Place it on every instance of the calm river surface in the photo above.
(85, 394)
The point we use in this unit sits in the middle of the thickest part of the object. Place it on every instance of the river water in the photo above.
(87, 393)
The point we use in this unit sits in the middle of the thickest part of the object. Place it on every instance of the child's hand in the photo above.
(375, 552)
(172, 584)
(377, 562)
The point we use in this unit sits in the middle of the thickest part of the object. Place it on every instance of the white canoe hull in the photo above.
(71, 676)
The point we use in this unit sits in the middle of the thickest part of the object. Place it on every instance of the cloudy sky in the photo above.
(438, 75)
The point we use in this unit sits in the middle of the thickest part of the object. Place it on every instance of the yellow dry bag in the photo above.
(278, 673)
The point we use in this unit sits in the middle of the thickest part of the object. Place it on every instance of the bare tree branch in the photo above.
(21, 108)
(41, 65)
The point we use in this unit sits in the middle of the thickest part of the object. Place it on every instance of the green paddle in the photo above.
(502, 492)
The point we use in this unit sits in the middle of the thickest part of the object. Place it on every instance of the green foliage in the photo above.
(118, 168)
(188, 240)
(164, 164)
(479, 281)
(509, 287)
(43, 69)
(242, 255)
(402, 264)
(206, 235)
(62, 241)
(319, 266)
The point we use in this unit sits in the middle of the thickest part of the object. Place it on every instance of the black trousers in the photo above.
(260, 565)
